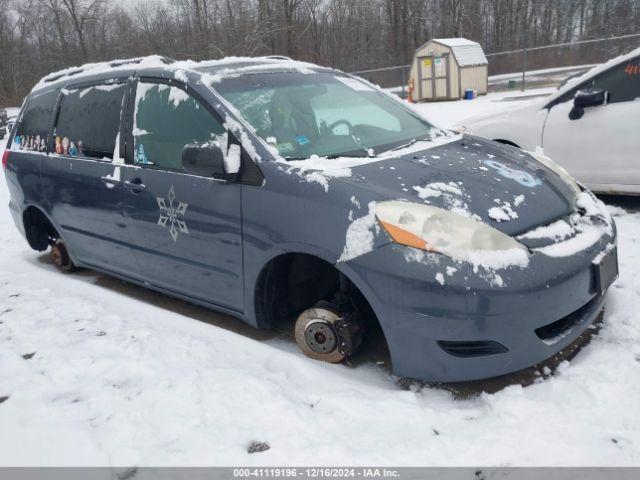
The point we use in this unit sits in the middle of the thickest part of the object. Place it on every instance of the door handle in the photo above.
(108, 180)
(135, 184)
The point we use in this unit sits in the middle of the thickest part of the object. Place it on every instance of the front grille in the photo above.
(472, 349)
(556, 331)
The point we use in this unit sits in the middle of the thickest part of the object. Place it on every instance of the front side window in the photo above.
(89, 121)
(33, 128)
(322, 114)
(622, 81)
(166, 120)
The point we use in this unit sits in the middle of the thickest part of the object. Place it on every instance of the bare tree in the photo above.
(38, 36)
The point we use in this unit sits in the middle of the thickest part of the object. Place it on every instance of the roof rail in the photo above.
(278, 57)
(116, 63)
(127, 61)
(64, 73)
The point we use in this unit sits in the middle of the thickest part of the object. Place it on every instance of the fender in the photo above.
(55, 225)
(312, 250)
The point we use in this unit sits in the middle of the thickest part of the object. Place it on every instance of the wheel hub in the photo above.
(320, 336)
(56, 257)
(60, 256)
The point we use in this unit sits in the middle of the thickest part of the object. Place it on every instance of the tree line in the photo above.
(40, 36)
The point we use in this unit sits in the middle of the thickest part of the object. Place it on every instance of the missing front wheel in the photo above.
(324, 334)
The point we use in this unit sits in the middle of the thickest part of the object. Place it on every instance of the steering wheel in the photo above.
(331, 127)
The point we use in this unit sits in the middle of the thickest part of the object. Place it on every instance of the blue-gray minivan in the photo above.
(280, 191)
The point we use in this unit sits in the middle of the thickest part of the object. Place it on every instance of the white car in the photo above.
(590, 126)
(12, 115)
(8, 117)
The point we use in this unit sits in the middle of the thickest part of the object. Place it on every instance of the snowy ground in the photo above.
(537, 78)
(98, 372)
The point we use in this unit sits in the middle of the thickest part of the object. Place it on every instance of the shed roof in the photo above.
(467, 52)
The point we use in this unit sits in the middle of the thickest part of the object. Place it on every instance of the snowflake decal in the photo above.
(172, 214)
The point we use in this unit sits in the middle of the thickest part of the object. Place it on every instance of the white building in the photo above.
(443, 68)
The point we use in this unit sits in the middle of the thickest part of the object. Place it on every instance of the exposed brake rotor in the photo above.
(316, 335)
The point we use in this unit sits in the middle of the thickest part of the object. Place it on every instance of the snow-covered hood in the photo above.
(499, 185)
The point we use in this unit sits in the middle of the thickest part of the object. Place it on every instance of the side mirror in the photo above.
(204, 160)
(591, 97)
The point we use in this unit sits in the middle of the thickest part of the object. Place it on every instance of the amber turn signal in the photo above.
(404, 237)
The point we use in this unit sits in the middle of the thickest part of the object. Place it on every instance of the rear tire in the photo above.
(60, 257)
(316, 336)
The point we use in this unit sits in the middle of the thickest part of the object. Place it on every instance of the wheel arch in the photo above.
(267, 281)
(506, 142)
(272, 272)
(38, 227)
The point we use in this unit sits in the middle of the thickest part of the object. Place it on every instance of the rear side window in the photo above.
(167, 119)
(89, 121)
(33, 128)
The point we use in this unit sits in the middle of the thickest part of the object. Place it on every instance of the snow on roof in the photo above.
(228, 64)
(466, 52)
(100, 67)
(231, 67)
(241, 62)
(454, 42)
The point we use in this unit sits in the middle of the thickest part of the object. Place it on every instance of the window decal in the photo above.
(140, 157)
(32, 143)
(523, 178)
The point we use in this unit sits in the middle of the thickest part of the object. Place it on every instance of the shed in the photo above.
(443, 68)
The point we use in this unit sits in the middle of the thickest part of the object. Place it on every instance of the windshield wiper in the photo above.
(410, 143)
(359, 153)
(428, 138)
(347, 155)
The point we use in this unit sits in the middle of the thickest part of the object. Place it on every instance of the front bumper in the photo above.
(533, 312)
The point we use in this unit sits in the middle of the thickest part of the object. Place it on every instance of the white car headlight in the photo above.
(553, 166)
(438, 230)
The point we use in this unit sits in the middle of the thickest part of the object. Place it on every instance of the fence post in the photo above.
(524, 56)
(402, 75)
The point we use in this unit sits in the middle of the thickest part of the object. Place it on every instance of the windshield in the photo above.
(324, 114)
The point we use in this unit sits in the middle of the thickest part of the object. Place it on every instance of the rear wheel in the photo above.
(60, 257)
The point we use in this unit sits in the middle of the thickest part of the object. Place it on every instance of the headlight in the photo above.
(437, 230)
(553, 166)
